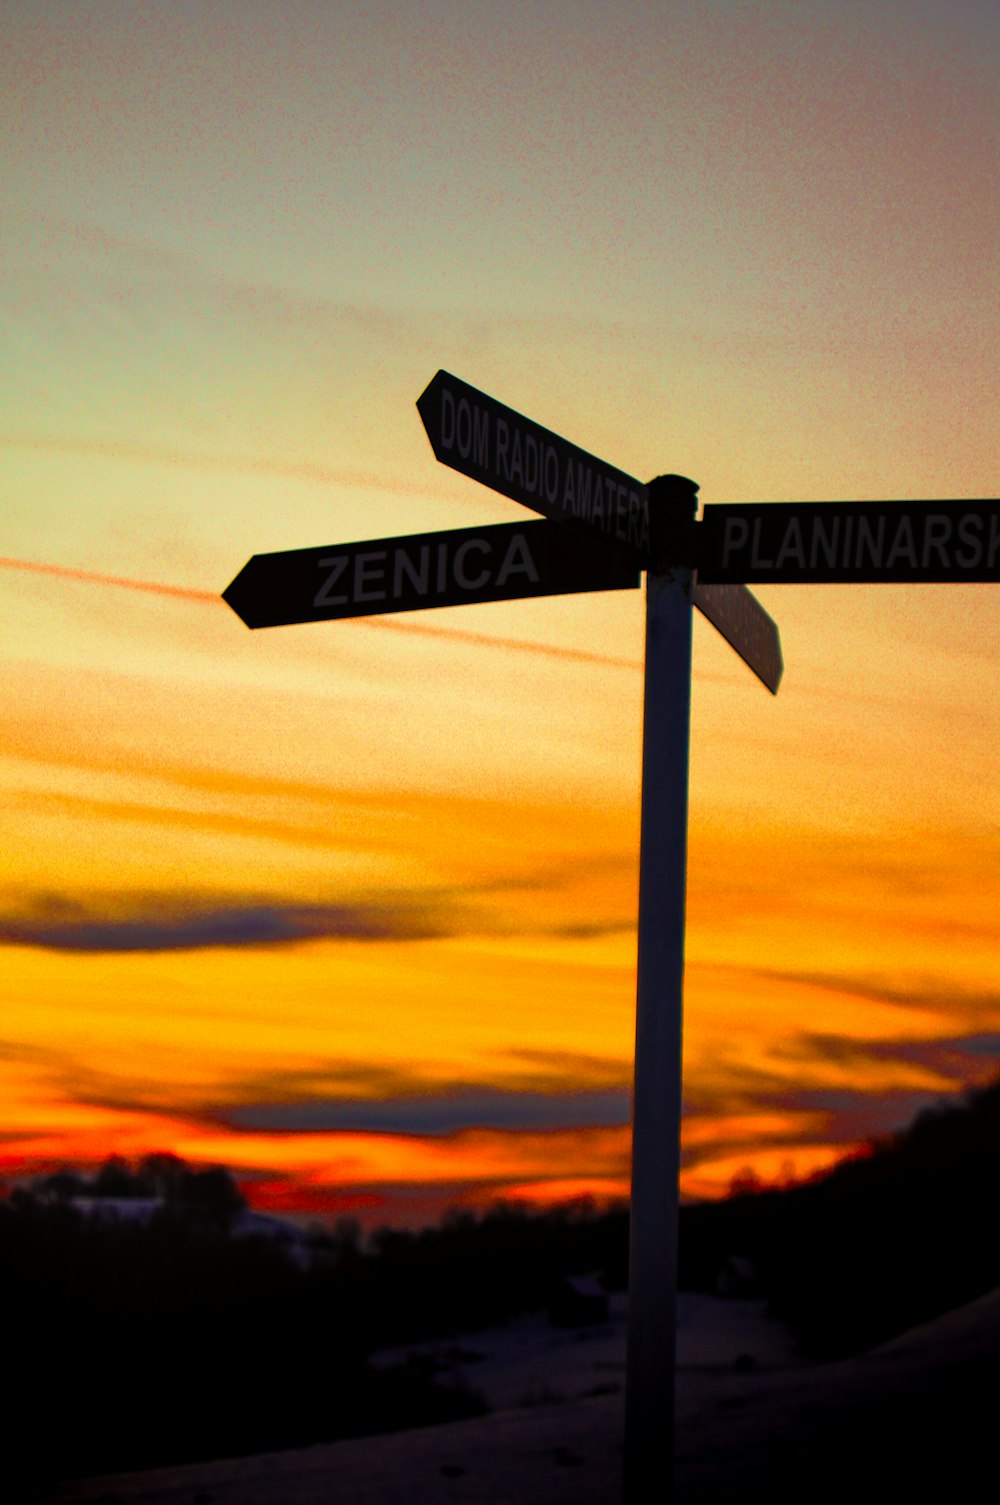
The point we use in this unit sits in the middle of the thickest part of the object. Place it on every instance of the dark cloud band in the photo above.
(151, 922)
(150, 927)
(440, 1113)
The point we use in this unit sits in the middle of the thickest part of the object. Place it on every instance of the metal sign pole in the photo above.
(656, 1111)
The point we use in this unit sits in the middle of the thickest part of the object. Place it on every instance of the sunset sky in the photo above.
(350, 907)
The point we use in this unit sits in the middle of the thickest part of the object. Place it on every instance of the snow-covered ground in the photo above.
(914, 1419)
(531, 1363)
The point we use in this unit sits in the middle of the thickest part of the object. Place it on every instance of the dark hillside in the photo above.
(141, 1334)
(131, 1344)
(879, 1244)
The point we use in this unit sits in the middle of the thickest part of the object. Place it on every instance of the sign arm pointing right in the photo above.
(502, 449)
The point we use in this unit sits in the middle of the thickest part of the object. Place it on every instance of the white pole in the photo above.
(656, 1110)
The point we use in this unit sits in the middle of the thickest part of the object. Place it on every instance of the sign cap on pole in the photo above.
(673, 502)
(732, 609)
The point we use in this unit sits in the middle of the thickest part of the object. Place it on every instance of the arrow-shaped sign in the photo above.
(843, 542)
(738, 615)
(511, 454)
(500, 562)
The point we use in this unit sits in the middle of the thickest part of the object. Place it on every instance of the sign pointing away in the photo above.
(478, 436)
(746, 626)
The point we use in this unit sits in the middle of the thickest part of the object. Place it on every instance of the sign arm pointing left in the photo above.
(500, 562)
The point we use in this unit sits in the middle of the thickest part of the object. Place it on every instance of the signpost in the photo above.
(604, 527)
(650, 1359)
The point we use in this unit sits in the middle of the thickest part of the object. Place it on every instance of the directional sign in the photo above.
(509, 453)
(599, 535)
(830, 542)
(746, 626)
(496, 563)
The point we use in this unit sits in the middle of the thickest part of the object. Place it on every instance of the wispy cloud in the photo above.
(378, 624)
(552, 1070)
(167, 925)
(538, 1090)
(952, 1061)
(795, 1080)
(94, 577)
(932, 996)
(517, 645)
(144, 453)
(119, 923)
(556, 1092)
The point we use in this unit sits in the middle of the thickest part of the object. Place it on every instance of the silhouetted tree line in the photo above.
(138, 1342)
(884, 1241)
(163, 1178)
(134, 1342)
(471, 1272)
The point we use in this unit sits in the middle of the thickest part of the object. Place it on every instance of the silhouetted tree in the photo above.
(213, 1194)
(63, 1185)
(115, 1179)
(163, 1175)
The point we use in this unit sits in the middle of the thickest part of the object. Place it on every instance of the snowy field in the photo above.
(914, 1418)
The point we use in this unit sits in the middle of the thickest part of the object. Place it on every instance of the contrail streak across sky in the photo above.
(454, 634)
